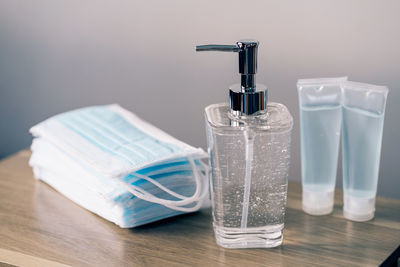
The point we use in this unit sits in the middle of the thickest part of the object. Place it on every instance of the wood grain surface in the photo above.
(40, 227)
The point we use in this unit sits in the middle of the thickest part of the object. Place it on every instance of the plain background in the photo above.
(60, 55)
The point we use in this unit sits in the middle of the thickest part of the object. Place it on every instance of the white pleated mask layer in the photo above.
(110, 152)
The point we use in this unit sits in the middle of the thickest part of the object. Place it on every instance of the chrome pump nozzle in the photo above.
(246, 100)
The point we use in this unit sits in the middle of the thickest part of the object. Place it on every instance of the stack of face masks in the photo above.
(114, 164)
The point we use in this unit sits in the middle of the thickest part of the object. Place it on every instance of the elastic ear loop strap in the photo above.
(197, 197)
(140, 193)
(185, 200)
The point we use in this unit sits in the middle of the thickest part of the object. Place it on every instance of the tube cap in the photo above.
(358, 209)
(318, 203)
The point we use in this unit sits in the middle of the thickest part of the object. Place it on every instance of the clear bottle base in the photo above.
(253, 237)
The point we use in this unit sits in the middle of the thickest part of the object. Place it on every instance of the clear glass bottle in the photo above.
(249, 146)
(249, 166)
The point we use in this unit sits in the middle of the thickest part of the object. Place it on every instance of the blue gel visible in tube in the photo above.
(320, 133)
(363, 115)
(320, 127)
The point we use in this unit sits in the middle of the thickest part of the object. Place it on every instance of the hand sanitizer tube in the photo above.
(363, 115)
(320, 121)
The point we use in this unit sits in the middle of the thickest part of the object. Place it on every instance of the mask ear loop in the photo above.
(184, 200)
(197, 197)
(175, 205)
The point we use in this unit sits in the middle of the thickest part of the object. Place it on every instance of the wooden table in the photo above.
(40, 227)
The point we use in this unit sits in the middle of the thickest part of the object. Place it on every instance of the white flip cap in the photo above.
(358, 209)
(318, 203)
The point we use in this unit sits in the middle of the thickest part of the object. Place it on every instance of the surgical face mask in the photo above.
(116, 154)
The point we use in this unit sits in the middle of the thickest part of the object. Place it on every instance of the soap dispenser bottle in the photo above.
(249, 146)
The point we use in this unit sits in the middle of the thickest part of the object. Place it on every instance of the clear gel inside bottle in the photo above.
(249, 147)
(249, 158)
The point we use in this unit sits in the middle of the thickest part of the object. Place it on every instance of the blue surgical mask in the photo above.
(140, 171)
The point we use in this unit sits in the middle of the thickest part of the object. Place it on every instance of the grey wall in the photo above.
(60, 55)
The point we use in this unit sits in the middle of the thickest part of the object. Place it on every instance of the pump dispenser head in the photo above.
(244, 98)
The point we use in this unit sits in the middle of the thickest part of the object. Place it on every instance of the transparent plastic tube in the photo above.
(363, 115)
(247, 179)
(320, 122)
